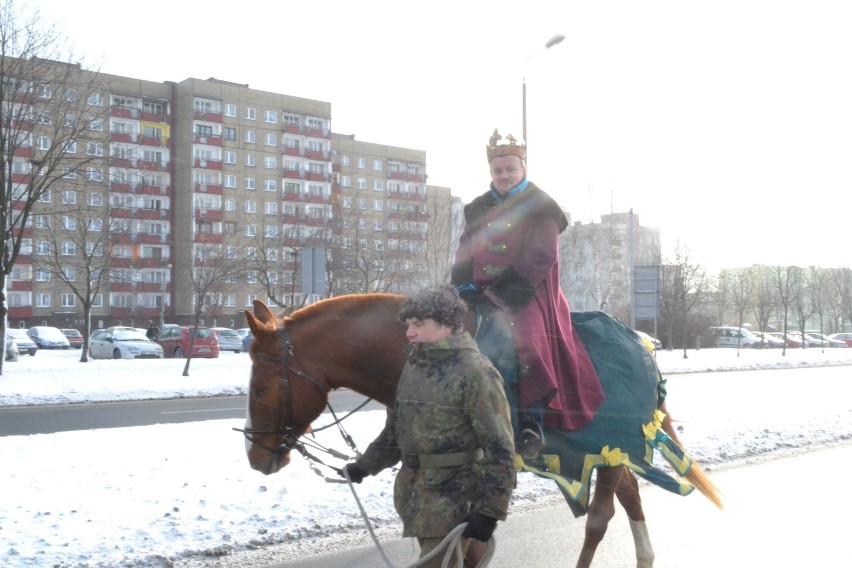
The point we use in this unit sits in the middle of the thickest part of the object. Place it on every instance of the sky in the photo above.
(179, 495)
(725, 124)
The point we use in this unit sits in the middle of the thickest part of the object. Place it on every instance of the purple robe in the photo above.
(510, 251)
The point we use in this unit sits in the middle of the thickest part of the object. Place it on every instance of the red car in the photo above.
(75, 338)
(175, 342)
(845, 337)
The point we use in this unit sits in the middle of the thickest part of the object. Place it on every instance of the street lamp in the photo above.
(163, 283)
(555, 40)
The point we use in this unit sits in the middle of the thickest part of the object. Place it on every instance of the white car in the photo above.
(727, 336)
(126, 343)
(47, 337)
(229, 339)
(25, 343)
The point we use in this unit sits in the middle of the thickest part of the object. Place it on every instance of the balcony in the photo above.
(125, 112)
(154, 214)
(24, 152)
(405, 176)
(208, 188)
(154, 141)
(153, 239)
(152, 166)
(294, 174)
(210, 215)
(318, 155)
(152, 262)
(123, 238)
(153, 117)
(154, 189)
(120, 287)
(318, 132)
(209, 164)
(208, 139)
(208, 238)
(117, 312)
(20, 312)
(118, 162)
(121, 262)
(209, 116)
(297, 152)
(126, 137)
(20, 285)
(122, 187)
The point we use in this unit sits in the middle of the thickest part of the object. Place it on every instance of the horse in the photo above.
(357, 342)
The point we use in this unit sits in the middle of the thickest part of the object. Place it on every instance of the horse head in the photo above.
(353, 342)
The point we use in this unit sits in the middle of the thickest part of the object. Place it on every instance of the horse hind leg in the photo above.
(601, 510)
(627, 493)
(618, 482)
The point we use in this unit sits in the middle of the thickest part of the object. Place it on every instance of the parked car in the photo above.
(844, 337)
(122, 343)
(175, 342)
(789, 339)
(808, 339)
(835, 343)
(727, 336)
(47, 337)
(770, 340)
(247, 339)
(75, 338)
(22, 340)
(11, 349)
(229, 339)
(651, 342)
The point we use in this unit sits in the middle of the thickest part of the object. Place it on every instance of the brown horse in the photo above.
(357, 342)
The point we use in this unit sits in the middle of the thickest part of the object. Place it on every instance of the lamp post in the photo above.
(555, 40)
(163, 287)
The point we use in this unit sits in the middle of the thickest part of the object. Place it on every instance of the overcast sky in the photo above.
(725, 124)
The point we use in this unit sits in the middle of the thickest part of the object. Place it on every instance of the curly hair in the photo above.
(442, 304)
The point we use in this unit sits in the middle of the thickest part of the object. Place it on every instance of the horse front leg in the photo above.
(601, 510)
(627, 493)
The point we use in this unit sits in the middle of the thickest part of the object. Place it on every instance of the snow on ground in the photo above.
(184, 494)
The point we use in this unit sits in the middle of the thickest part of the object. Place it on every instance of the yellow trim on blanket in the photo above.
(573, 488)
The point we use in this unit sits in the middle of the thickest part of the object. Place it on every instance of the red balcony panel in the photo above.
(317, 176)
(209, 164)
(318, 199)
(208, 116)
(154, 166)
(125, 137)
(150, 286)
(397, 175)
(292, 129)
(209, 238)
(152, 117)
(24, 152)
(294, 174)
(121, 287)
(123, 238)
(151, 239)
(149, 312)
(20, 285)
(152, 262)
(120, 187)
(208, 139)
(299, 152)
(208, 214)
(119, 312)
(124, 112)
(120, 212)
(20, 312)
(154, 189)
(417, 178)
(121, 262)
(317, 155)
(21, 178)
(208, 188)
(155, 141)
(122, 162)
(22, 125)
(394, 215)
(151, 214)
(318, 133)
(292, 197)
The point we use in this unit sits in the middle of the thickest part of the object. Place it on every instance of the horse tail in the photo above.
(695, 475)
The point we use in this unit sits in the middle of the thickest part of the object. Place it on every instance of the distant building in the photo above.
(596, 261)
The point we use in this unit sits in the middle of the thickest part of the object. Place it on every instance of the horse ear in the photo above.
(262, 311)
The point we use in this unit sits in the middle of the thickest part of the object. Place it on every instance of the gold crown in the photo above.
(495, 150)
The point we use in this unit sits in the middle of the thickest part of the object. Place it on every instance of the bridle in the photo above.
(289, 439)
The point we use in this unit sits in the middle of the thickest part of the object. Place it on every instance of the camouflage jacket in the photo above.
(450, 399)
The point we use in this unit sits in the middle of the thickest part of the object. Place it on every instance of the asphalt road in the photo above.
(785, 512)
(47, 419)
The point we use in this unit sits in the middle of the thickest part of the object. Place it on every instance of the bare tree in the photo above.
(77, 253)
(765, 302)
(50, 111)
(801, 300)
(214, 273)
(843, 291)
(785, 278)
(740, 286)
(684, 287)
(441, 235)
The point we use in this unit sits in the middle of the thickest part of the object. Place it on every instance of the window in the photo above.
(271, 208)
(250, 183)
(43, 143)
(70, 121)
(250, 160)
(42, 300)
(230, 157)
(362, 183)
(270, 231)
(377, 165)
(44, 91)
(69, 95)
(251, 206)
(98, 301)
(344, 160)
(69, 223)
(270, 184)
(97, 125)
(42, 275)
(270, 163)
(230, 205)
(362, 203)
(377, 224)
(346, 181)
(69, 300)
(95, 99)
(70, 274)
(378, 185)
(292, 188)
(71, 147)
(362, 163)
(229, 133)
(346, 202)
(69, 248)
(94, 174)
(230, 180)
(249, 137)
(251, 113)
(230, 109)
(271, 139)
(95, 149)
(271, 117)
(69, 197)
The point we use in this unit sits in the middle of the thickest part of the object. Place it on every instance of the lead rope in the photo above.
(452, 542)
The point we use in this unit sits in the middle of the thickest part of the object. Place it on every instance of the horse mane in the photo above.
(339, 305)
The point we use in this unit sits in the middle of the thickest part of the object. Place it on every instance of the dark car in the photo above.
(175, 342)
(75, 338)
(47, 337)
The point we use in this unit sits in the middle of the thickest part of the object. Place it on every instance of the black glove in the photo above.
(479, 526)
(355, 473)
(467, 292)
